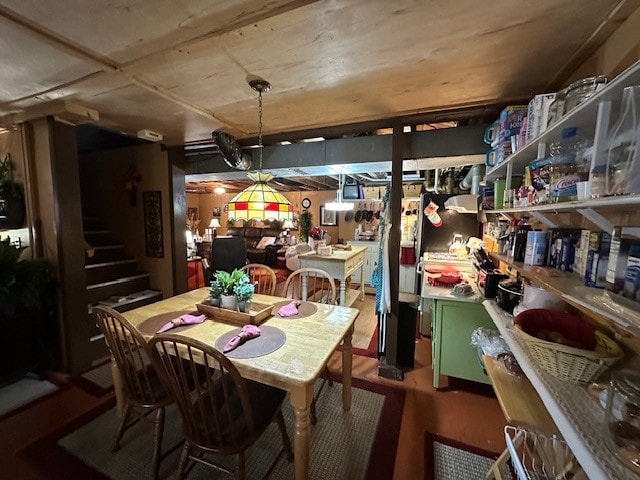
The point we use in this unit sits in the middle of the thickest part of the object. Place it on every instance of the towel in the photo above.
(289, 310)
(185, 319)
(247, 333)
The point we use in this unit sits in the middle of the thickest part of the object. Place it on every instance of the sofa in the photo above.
(262, 243)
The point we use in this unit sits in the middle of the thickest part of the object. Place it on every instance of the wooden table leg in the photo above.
(301, 402)
(343, 296)
(346, 370)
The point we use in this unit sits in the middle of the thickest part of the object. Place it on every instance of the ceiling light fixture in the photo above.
(260, 200)
(219, 190)
(339, 205)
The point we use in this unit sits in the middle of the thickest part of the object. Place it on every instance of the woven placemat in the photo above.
(305, 309)
(270, 340)
(152, 324)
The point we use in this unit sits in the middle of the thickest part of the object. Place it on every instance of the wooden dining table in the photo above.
(293, 367)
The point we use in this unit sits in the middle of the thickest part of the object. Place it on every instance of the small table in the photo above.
(340, 265)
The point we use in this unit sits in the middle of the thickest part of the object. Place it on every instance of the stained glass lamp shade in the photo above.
(260, 201)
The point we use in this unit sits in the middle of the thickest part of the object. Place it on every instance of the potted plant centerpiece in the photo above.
(244, 291)
(215, 292)
(228, 281)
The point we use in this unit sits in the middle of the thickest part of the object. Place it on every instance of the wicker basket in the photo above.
(570, 363)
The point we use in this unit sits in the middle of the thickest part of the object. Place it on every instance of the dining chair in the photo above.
(228, 253)
(142, 388)
(314, 285)
(206, 272)
(222, 413)
(263, 277)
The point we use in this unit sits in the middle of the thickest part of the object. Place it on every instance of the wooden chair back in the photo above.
(128, 348)
(210, 392)
(263, 277)
(311, 284)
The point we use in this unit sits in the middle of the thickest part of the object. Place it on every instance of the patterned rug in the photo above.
(446, 459)
(368, 433)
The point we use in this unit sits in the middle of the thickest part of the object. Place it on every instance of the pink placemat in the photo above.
(305, 309)
(152, 324)
(270, 340)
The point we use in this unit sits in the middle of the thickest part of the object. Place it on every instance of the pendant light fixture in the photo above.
(260, 200)
(339, 205)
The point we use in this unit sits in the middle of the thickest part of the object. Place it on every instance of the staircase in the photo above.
(112, 279)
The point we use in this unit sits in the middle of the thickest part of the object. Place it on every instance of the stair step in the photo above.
(118, 287)
(106, 253)
(107, 271)
(128, 302)
(92, 223)
(98, 237)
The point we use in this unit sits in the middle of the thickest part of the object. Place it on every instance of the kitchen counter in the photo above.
(443, 293)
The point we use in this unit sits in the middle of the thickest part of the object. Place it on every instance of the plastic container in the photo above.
(621, 418)
(622, 142)
(536, 297)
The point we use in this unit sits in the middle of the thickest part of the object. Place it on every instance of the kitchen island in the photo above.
(341, 264)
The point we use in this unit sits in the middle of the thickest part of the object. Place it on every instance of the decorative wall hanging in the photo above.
(152, 202)
(328, 218)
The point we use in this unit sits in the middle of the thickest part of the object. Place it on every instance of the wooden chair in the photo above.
(222, 413)
(141, 386)
(311, 284)
(263, 277)
(314, 285)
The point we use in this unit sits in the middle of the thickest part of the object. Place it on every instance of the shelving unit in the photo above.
(591, 118)
(578, 417)
(611, 311)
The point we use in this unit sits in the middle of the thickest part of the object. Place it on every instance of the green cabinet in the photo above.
(452, 351)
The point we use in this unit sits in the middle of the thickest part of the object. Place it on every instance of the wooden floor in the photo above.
(462, 411)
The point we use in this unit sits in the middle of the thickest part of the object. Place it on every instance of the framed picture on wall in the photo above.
(216, 211)
(328, 218)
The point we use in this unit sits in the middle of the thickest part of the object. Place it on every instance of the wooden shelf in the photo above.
(618, 203)
(578, 417)
(616, 314)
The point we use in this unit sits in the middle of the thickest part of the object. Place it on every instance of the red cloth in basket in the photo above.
(573, 328)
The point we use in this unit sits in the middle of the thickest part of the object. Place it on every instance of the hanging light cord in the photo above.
(260, 126)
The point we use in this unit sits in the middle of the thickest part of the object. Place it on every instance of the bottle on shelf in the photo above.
(520, 239)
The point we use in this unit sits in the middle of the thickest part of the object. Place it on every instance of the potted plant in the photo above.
(215, 292)
(27, 313)
(305, 225)
(244, 291)
(12, 206)
(227, 281)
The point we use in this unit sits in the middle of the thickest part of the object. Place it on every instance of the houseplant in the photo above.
(27, 313)
(215, 292)
(244, 291)
(227, 283)
(305, 224)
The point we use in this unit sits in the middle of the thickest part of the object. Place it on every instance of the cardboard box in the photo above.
(632, 276)
(538, 114)
(510, 121)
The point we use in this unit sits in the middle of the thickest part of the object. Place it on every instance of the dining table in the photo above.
(293, 367)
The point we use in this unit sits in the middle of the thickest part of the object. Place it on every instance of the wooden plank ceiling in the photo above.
(180, 67)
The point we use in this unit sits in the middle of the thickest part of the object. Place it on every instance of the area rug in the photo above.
(96, 381)
(21, 394)
(360, 444)
(446, 459)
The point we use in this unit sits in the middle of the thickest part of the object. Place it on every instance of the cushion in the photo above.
(265, 242)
